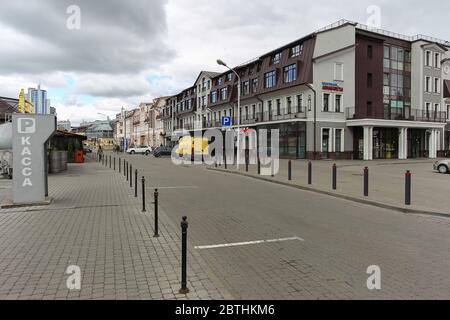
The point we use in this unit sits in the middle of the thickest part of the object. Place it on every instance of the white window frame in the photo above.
(342, 102)
(438, 88)
(330, 139)
(426, 62)
(428, 85)
(330, 103)
(438, 64)
(341, 71)
(342, 139)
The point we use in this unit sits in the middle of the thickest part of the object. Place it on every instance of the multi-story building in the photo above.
(140, 126)
(38, 98)
(346, 91)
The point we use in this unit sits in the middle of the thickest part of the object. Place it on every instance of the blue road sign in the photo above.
(226, 121)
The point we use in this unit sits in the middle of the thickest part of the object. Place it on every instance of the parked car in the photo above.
(443, 166)
(162, 151)
(140, 149)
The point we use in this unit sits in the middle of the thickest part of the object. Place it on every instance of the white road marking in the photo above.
(180, 187)
(225, 245)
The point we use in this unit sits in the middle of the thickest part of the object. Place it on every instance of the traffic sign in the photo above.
(226, 121)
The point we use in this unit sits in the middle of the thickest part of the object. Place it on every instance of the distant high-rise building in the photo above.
(38, 98)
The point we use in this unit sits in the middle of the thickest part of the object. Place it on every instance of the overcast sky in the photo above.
(131, 51)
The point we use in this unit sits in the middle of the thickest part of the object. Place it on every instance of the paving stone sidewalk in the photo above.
(96, 223)
(430, 189)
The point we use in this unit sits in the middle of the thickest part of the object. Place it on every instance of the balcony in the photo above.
(402, 114)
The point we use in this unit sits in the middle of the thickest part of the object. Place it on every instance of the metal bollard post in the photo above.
(259, 166)
(290, 170)
(334, 176)
(272, 168)
(215, 163)
(366, 181)
(143, 194)
(184, 226)
(120, 165)
(124, 167)
(131, 176)
(128, 167)
(110, 162)
(114, 163)
(225, 160)
(246, 160)
(408, 188)
(309, 172)
(135, 183)
(156, 194)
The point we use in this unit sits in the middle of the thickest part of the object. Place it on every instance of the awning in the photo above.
(446, 88)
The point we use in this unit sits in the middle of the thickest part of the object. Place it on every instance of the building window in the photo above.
(289, 105)
(214, 97)
(290, 73)
(299, 103)
(246, 87)
(436, 109)
(338, 71)
(428, 58)
(296, 51)
(276, 58)
(269, 106)
(437, 62)
(254, 85)
(338, 140)
(254, 111)
(369, 51)
(338, 103)
(224, 94)
(229, 76)
(270, 79)
(246, 112)
(278, 107)
(218, 81)
(427, 109)
(369, 80)
(437, 87)
(448, 111)
(427, 84)
(326, 102)
(204, 101)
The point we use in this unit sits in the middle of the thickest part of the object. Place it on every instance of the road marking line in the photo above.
(225, 245)
(180, 187)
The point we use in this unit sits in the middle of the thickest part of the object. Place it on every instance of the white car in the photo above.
(140, 149)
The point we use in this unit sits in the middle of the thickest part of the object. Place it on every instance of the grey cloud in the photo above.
(115, 36)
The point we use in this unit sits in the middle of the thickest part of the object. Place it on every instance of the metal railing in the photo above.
(405, 114)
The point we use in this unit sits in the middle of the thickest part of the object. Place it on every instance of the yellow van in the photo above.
(192, 145)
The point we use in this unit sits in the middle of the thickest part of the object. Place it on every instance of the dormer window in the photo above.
(276, 58)
(296, 51)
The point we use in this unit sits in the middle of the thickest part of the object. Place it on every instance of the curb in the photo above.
(337, 195)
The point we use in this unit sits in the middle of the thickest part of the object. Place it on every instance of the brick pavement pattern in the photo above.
(95, 223)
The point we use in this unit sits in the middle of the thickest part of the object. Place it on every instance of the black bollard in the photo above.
(156, 194)
(114, 163)
(334, 176)
(135, 183)
(110, 162)
(259, 166)
(131, 176)
(366, 181)
(128, 167)
(184, 226)
(225, 160)
(408, 188)
(309, 172)
(143, 194)
(290, 170)
(272, 168)
(246, 161)
(120, 165)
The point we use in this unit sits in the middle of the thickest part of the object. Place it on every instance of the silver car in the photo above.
(443, 166)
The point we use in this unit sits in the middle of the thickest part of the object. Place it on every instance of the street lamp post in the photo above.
(315, 117)
(220, 62)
